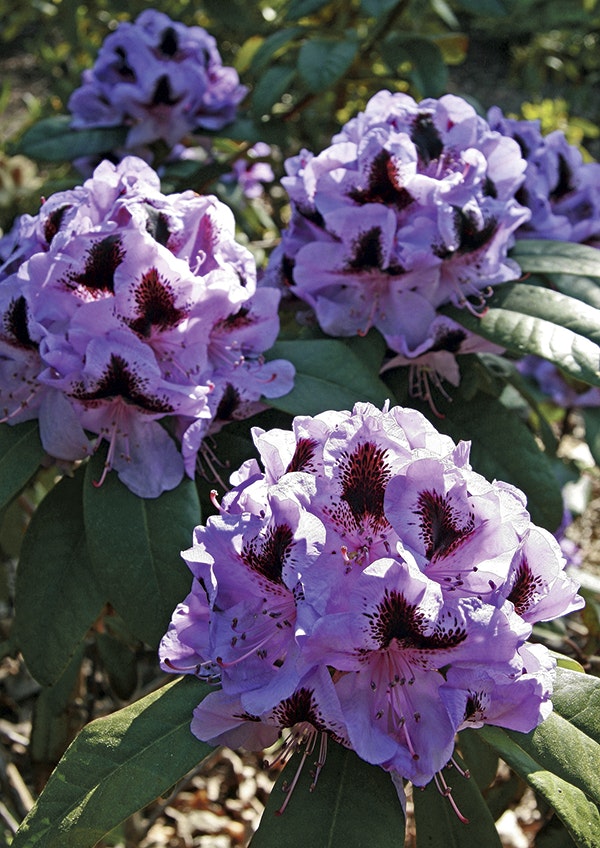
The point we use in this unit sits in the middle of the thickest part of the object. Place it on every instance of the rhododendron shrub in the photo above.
(356, 585)
(363, 599)
(133, 316)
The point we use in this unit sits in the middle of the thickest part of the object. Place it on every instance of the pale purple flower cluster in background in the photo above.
(159, 77)
(551, 382)
(135, 317)
(561, 190)
(252, 171)
(369, 586)
(412, 207)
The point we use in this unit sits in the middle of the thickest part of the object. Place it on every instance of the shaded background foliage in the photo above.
(492, 51)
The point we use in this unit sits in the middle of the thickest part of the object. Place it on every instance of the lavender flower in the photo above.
(160, 78)
(411, 207)
(353, 588)
(134, 316)
(555, 386)
(561, 190)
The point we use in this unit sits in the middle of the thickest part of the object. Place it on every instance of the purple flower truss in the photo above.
(159, 77)
(133, 316)
(353, 589)
(412, 207)
(561, 190)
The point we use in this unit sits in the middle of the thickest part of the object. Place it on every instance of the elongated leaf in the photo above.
(271, 45)
(117, 765)
(323, 61)
(53, 140)
(566, 751)
(585, 289)
(580, 816)
(557, 308)
(437, 824)
(135, 547)
(376, 8)
(481, 761)
(272, 85)
(57, 599)
(576, 697)
(493, 8)
(591, 417)
(530, 331)
(329, 375)
(428, 71)
(21, 453)
(556, 257)
(353, 805)
(300, 8)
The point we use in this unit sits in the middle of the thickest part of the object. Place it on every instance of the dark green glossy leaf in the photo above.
(115, 766)
(329, 375)
(21, 453)
(576, 698)
(53, 140)
(119, 663)
(556, 257)
(323, 61)
(532, 319)
(564, 750)
(580, 816)
(585, 289)
(591, 417)
(376, 8)
(301, 8)
(55, 721)
(438, 825)
(272, 44)
(551, 306)
(353, 805)
(481, 761)
(483, 7)
(57, 598)
(428, 72)
(135, 546)
(272, 85)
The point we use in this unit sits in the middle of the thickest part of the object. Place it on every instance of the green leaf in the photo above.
(481, 761)
(117, 765)
(532, 319)
(57, 599)
(494, 8)
(272, 85)
(323, 61)
(579, 815)
(272, 44)
(21, 453)
(135, 544)
(53, 140)
(576, 697)
(329, 375)
(353, 805)
(301, 8)
(377, 8)
(556, 257)
(428, 71)
(438, 825)
(591, 418)
(54, 721)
